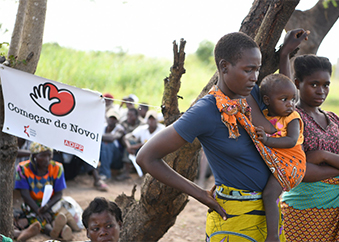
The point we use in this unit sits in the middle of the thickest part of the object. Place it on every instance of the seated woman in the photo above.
(31, 178)
(103, 220)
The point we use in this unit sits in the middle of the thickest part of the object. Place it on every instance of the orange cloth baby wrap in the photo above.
(287, 165)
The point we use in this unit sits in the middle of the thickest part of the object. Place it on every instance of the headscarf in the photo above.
(36, 148)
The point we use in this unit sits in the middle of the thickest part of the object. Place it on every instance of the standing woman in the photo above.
(31, 178)
(311, 210)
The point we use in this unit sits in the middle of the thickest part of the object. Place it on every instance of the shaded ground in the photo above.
(190, 224)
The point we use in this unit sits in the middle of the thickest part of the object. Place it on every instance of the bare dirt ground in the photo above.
(190, 224)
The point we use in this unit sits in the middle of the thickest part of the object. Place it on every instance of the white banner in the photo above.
(57, 115)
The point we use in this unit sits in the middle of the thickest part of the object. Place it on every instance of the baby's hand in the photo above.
(261, 134)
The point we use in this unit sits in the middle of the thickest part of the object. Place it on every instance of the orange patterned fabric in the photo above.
(310, 224)
(287, 165)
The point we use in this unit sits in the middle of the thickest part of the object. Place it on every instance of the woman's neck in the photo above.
(308, 109)
(41, 171)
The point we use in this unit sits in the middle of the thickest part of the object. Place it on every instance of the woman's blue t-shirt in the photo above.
(234, 162)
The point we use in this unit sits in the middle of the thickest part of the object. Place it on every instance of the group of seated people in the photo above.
(125, 131)
(37, 166)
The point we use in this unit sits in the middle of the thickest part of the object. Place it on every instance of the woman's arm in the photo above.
(321, 165)
(292, 40)
(258, 119)
(316, 173)
(29, 200)
(150, 159)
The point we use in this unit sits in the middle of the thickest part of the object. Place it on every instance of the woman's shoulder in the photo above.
(204, 108)
(56, 165)
(334, 117)
(206, 102)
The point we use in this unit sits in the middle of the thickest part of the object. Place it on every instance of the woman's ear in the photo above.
(266, 100)
(223, 66)
(297, 83)
(87, 233)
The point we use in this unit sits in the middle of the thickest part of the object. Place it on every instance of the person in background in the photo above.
(128, 102)
(109, 102)
(236, 207)
(111, 149)
(311, 210)
(31, 178)
(23, 151)
(138, 137)
(130, 124)
(132, 121)
(144, 132)
(142, 109)
(74, 165)
(102, 220)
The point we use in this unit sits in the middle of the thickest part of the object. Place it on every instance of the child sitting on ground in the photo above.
(280, 95)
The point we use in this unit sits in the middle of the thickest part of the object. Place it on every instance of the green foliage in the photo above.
(205, 51)
(3, 48)
(326, 2)
(121, 74)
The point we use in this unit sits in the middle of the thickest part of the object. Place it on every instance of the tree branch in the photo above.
(170, 109)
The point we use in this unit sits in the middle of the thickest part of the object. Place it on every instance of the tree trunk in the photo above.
(156, 212)
(27, 43)
(17, 31)
(264, 23)
(318, 20)
(31, 36)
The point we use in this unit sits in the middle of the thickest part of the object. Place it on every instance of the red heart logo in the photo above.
(66, 100)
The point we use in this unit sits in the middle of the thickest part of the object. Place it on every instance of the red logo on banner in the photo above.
(59, 102)
(25, 131)
(74, 145)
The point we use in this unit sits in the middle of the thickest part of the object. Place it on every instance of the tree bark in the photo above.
(32, 34)
(27, 43)
(318, 20)
(17, 31)
(156, 212)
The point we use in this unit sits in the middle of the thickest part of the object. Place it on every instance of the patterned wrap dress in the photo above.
(311, 210)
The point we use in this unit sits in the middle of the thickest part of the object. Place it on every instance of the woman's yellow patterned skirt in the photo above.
(246, 220)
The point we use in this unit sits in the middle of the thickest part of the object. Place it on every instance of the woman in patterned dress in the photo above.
(31, 178)
(311, 210)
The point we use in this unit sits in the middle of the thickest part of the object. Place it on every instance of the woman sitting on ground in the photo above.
(31, 178)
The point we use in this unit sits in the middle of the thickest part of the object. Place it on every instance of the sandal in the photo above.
(101, 186)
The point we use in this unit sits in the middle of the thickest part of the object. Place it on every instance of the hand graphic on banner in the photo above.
(40, 96)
